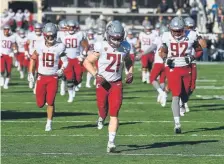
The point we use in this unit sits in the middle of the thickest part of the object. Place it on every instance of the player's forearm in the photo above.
(150, 49)
(90, 67)
(32, 66)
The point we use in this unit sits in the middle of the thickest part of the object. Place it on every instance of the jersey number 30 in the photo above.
(115, 59)
(48, 60)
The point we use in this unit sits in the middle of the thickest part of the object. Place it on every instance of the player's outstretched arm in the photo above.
(130, 67)
(89, 62)
(33, 60)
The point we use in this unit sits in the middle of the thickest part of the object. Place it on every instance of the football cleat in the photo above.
(2, 81)
(6, 87)
(48, 128)
(111, 147)
(177, 129)
(163, 99)
(100, 123)
(182, 111)
(70, 99)
(30, 84)
(88, 86)
(186, 107)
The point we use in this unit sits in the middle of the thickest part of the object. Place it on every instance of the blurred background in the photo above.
(208, 14)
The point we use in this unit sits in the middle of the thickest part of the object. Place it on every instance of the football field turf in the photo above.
(145, 134)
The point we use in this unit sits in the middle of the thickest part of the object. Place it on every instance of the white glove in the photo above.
(60, 72)
(11, 54)
(30, 77)
(27, 55)
(80, 58)
(84, 53)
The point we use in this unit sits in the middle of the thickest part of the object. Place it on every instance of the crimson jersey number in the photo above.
(71, 43)
(175, 49)
(115, 59)
(48, 60)
(6, 44)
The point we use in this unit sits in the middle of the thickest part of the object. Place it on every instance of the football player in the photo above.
(176, 50)
(190, 27)
(76, 48)
(133, 43)
(7, 50)
(91, 41)
(48, 53)
(146, 38)
(158, 68)
(34, 38)
(23, 56)
(111, 55)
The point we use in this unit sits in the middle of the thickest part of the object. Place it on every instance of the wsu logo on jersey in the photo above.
(105, 48)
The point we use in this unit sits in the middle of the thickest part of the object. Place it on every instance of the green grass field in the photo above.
(145, 134)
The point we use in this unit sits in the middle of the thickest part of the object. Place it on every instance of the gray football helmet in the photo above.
(189, 23)
(72, 26)
(115, 33)
(50, 33)
(158, 25)
(90, 34)
(163, 29)
(177, 27)
(148, 28)
(38, 28)
(22, 33)
(7, 30)
(62, 25)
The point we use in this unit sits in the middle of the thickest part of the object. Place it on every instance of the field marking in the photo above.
(86, 121)
(94, 102)
(112, 154)
(209, 87)
(119, 135)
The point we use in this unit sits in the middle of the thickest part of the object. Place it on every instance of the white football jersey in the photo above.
(178, 49)
(132, 42)
(99, 38)
(156, 32)
(33, 41)
(158, 42)
(110, 63)
(21, 43)
(19, 17)
(6, 43)
(146, 40)
(48, 58)
(72, 43)
(91, 43)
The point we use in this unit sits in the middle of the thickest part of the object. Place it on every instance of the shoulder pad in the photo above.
(126, 46)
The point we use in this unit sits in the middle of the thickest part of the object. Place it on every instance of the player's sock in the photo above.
(162, 85)
(62, 91)
(6, 81)
(70, 94)
(112, 136)
(176, 109)
(156, 86)
(148, 77)
(2, 80)
(88, 78)
(49, 122)
(21, 74)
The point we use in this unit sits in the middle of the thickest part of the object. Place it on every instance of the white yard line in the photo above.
(94, 102)
(112, 154)
(121, 135)
(86, 121)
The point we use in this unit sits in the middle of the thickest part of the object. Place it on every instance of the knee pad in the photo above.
(70, 83)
